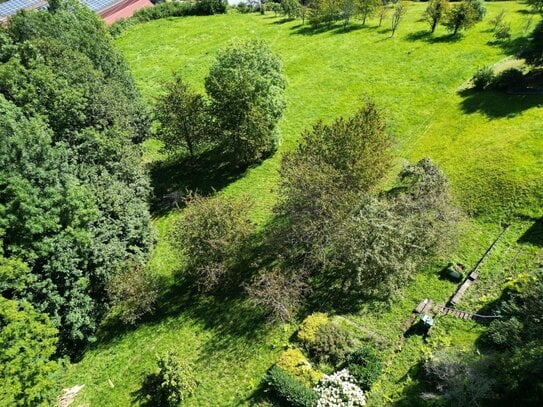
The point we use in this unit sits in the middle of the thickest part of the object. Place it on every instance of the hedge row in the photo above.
(289, 389)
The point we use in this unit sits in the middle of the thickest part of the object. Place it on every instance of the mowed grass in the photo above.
(490, 145)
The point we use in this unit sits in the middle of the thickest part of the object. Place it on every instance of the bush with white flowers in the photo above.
(339, 390)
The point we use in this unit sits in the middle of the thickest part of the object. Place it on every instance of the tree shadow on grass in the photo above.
(514, 46)
(412, 393)
(283, 20)
(534, 235)
(211, 171)
(226, 312)
(336, 28)
(495, 104)
(427, 36)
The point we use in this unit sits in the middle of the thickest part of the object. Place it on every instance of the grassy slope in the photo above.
(489, 145)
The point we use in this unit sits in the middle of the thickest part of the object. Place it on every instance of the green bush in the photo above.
(209, 7)
(504, 334)
(27, 343)
(289, 389)
(310, 326)
(133, 292)
(244, 8)
(365, 365)
(212, 234)
(294, 362)
(483, 78)
(170, 385)
(332, 343)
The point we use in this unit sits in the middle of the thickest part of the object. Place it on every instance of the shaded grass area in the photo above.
(489, 145)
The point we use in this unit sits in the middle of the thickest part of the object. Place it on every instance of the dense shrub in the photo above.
(504, 334)
(289, 389)
(209, 7)
(171, 384)
(134, 292)
(310, 326)
(340, 390)
(333, 343)
(74, 195)
(365, 365)
(244, 7)
(27, 343)
(278, 293)
(461, 379)
(294, 362)
(483, 78)
(212, 234)
(246, 87)
(460, 17)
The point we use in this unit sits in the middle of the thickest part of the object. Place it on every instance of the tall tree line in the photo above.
(73, 192)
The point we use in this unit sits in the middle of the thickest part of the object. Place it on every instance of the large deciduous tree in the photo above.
(182, 116)
(246, 87)
(339, 230)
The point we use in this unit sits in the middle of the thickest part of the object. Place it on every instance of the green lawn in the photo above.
(489, 144)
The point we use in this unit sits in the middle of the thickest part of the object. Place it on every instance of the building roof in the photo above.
(13, 6)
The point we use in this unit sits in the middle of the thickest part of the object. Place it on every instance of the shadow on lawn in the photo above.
(307, 29)
(534, 235)
(514, 46)
(495, 104)
(427, 36)
(204, 174)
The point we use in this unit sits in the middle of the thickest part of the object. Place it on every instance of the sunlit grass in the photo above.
(490, 145)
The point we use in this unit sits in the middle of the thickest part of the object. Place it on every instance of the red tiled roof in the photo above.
(123, 9)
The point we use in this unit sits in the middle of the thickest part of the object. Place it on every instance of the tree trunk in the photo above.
(434, 25)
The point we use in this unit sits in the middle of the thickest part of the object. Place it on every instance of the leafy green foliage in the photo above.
(479, 9)
(435, 11)
(170, 385)
(212, 234)
(294, 362)
(27, 343)
(310, 326)
(291, 8)
(289, 389)
(536, 5)
(332, 344)
(461, 17)
(365, 365)
(321, 178)
(523, 313)
(134, 291)
(246, 87)
(483, 77)
(73, 192)
(182, 116)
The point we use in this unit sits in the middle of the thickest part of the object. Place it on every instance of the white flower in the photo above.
(339, 390)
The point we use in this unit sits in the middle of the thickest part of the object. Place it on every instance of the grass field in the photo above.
(489, 144)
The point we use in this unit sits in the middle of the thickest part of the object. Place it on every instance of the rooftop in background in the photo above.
(11, 7)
